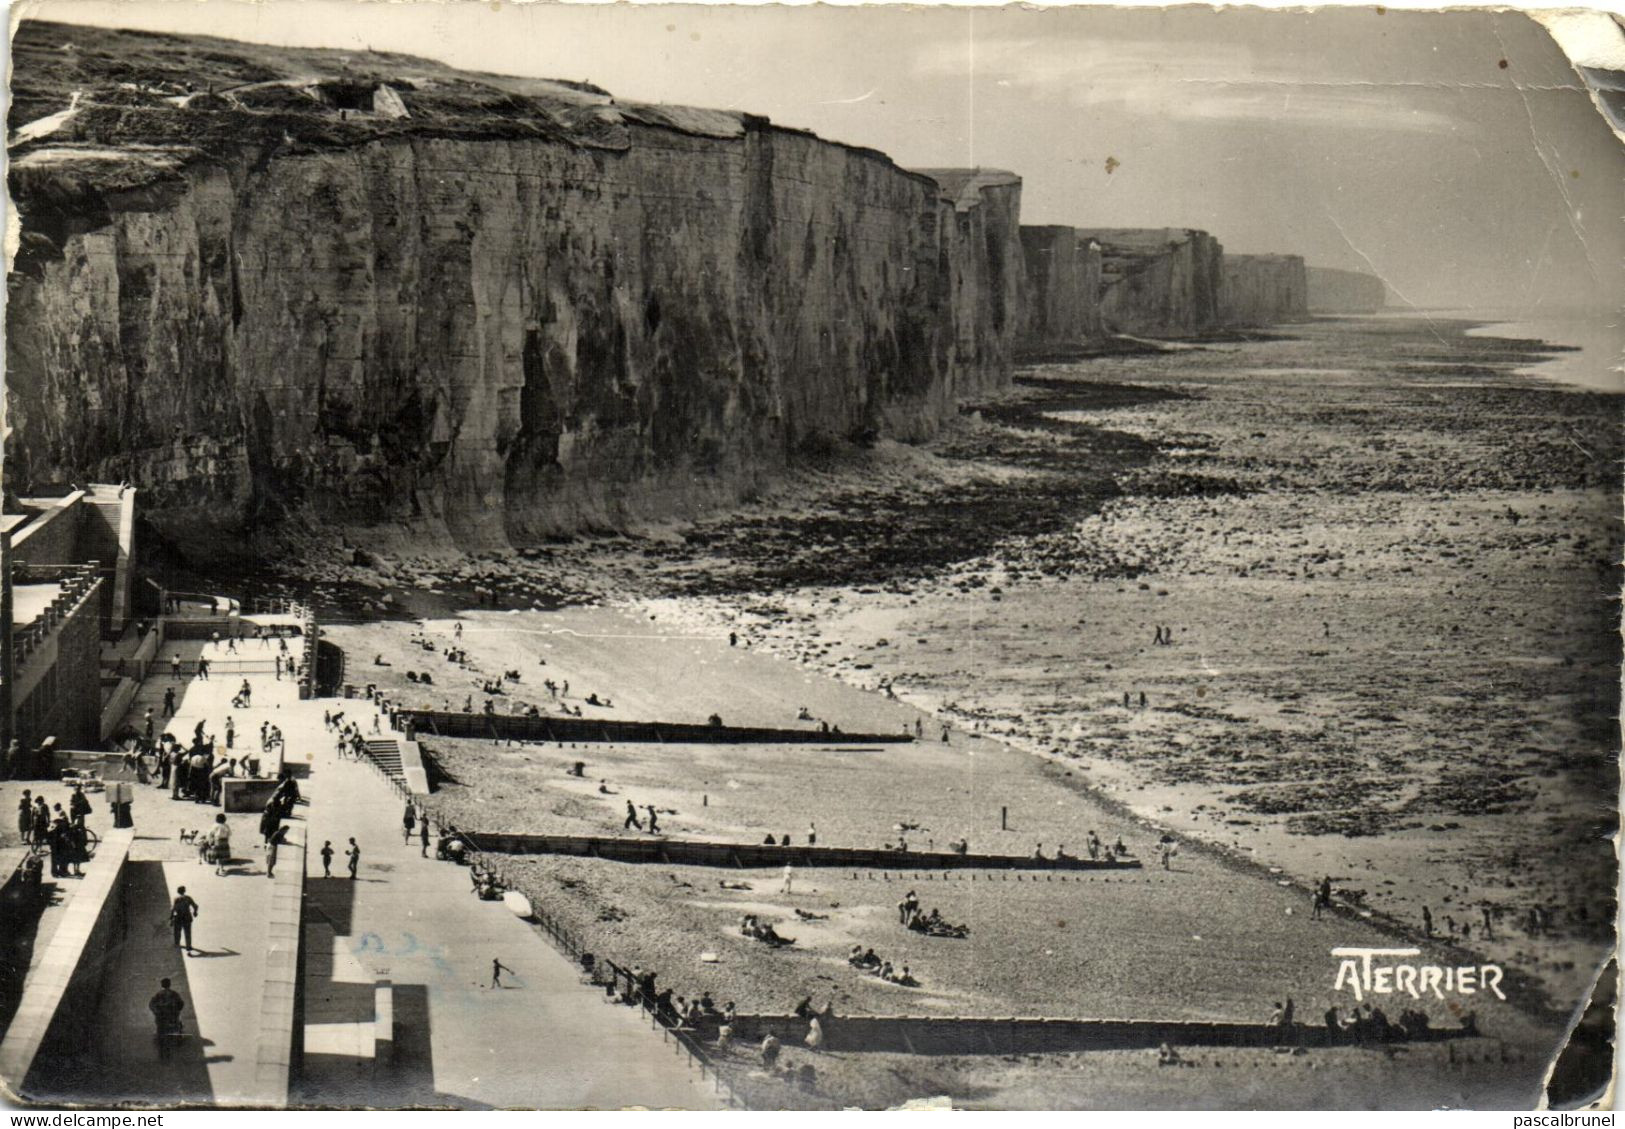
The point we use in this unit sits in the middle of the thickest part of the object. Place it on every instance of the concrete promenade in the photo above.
(222, 982)
(542, 1040)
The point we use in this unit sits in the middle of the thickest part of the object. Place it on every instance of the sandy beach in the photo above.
(1419, 706)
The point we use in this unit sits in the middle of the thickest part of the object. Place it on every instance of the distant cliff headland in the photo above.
(260, 281)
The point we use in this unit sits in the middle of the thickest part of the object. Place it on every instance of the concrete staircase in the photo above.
(386, 754)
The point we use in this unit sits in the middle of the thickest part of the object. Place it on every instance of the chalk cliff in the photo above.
(1264, 290)
(1063, 288)
(258, 280)
(1158, 282)
(1345, 291)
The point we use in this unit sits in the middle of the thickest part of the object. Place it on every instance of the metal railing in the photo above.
(671, 1027)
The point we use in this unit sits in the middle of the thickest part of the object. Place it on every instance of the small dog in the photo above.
(189, 836)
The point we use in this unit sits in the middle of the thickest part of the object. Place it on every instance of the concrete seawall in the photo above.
(952, 1035)
(746, 856)
(53, 1019)
(506, 727)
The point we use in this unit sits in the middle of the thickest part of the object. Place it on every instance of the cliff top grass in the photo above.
(123, 94)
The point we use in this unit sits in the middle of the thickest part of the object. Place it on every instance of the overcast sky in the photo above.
(1397, 143)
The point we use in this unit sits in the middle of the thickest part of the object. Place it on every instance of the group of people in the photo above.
(865, 960)
(932, 924)
(632, 819)
(199, 773)
(488, 885)
(1366, 1024)
(351, 742)
(48, 827)
(352, 858)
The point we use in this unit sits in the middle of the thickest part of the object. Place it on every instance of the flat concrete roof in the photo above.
(29, 601)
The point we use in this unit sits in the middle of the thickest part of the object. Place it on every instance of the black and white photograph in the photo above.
(700, 557)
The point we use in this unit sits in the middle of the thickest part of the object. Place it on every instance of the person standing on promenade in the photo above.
(220, 844)
(25, 816)
(181, 916)
(409, 820)
(327, 858)
(654, 825)
(789, 875)
(631, 817)
(277, 839)
(497, 969)
(169, 702)
(166, 1006)
(353, 854)
(423, 834)
(175, 667)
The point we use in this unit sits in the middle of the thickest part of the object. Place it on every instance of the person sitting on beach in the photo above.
(906, 979)
(869, 960)
(769, 936)
(855, 957)
(885, 972)
(1167, 1056)
(707, 1005)
(803, 714)
(1118, 848)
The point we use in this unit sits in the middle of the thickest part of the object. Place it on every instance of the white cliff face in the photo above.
(495, 340)
(1264, 290)
(1063, 287)
(1159, 282)
(1345, 291)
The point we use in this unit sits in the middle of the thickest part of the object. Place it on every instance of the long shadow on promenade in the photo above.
(110, 1054)
(341, 992)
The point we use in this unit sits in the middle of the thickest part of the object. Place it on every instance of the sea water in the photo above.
(1597, 361)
